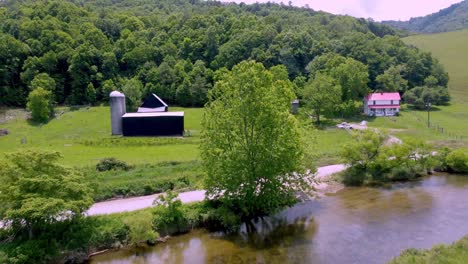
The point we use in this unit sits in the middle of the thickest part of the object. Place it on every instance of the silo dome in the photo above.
(116, 94)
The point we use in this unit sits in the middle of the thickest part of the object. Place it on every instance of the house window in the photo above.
(373, 102)
(391, 102)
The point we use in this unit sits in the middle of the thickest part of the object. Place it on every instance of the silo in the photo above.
(117, 108)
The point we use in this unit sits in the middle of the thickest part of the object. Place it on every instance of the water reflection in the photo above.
(356, 225)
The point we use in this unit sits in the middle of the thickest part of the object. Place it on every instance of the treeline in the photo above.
(81, 50)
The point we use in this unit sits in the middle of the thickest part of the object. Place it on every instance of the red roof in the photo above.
(383, 106)
(383, 96)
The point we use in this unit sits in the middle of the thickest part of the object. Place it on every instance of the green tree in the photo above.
(420, 96)
(251, 145)
(91, 93)
(392, 81)
(43, 80)
(133, 90)
(40, 104)
(321, 94)
(36, 191)
(183, 94)
(353, 77)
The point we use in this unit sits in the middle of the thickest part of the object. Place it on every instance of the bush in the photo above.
(168, 216)
(108, 164)
(140, 228)
(457, 160)
(40, 105)
(373, 163)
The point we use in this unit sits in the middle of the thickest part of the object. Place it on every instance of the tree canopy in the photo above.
(174, 47)
(36, 191)
(251, 144)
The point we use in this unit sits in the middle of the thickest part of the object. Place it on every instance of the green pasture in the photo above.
(451, 50)
(84, 137)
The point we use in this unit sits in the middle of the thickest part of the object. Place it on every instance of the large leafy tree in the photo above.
(251, 145)
(36, 191)
(321, 95)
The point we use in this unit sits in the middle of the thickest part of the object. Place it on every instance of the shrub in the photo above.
(40, 105)
(169, 216)
(108, 164)
(457, 160)
(140, 228)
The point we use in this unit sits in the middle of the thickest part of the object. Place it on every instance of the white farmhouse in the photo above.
(382, 104)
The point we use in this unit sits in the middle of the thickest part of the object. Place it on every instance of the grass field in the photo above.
(83, 137)
(451, 50)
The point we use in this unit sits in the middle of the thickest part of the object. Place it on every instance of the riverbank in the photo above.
(338, 228)
(322, 185)
(455, 253)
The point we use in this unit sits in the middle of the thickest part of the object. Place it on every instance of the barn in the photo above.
(153, 124)
(153, 103)
(152, 118)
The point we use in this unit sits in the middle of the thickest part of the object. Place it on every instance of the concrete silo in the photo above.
(117, 108)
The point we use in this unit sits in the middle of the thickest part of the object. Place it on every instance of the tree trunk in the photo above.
(317, 115)
(30, 231)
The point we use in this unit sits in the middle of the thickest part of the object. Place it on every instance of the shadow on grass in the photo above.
(72, 108)
(418, 109)
(36, 123)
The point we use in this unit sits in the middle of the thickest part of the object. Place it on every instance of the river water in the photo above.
(355, 225)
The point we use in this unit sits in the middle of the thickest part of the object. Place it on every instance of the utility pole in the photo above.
(428, 105)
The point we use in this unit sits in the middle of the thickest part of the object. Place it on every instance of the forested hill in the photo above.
(81, 50)
(452, 18)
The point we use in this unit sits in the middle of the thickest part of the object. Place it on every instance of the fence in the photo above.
(439, 129)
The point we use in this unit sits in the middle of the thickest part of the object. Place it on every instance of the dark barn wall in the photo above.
(153, 126)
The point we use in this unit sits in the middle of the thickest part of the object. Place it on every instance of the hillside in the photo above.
(454, 17)
(82, 50)
(451, 50)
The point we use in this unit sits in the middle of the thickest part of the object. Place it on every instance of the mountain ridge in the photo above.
(454, 17)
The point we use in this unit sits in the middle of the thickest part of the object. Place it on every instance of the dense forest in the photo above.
(81, 50)
(454, 17)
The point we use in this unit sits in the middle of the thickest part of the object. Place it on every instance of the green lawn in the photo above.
(84, 137)
(412, 124)
(451, 49)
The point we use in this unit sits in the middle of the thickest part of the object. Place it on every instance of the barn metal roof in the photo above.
(153, 114)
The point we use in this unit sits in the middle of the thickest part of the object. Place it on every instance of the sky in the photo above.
(376, 9)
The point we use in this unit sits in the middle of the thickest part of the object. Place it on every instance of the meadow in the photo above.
(451, 50)
(83, 137)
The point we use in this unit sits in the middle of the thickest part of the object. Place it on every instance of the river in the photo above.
(355, 225)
